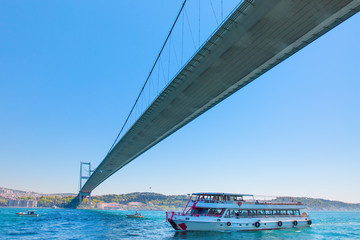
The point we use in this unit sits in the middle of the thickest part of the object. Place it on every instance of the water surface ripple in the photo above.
(99, 224)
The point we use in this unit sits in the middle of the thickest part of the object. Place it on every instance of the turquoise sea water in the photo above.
(97, 224)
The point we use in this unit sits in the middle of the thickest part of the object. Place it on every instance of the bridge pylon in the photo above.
(85, 173)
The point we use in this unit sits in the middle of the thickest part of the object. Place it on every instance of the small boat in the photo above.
(136, 215)
(29, 213)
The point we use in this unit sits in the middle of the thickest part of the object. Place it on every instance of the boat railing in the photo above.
(170, 215)
(249, 202)
(282, 203)
(266, 216)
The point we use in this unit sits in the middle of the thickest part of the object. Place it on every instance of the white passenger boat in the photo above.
(237, 212)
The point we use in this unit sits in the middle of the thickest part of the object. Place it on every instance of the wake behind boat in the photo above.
(29, 213)
(237, 212)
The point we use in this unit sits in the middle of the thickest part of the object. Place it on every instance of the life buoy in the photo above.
(228, 224)
(239, 203)
(295, 223)
(279, 223)
(257, 224)
(309, 222)
(304, 214)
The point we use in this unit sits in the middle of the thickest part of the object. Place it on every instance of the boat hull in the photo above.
(27, 215)
(237, 224)
(135, 216)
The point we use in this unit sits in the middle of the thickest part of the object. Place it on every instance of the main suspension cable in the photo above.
(148, 77)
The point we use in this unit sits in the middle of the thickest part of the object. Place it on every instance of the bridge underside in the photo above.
(258, 35)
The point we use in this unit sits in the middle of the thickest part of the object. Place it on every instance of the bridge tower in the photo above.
(85, 173)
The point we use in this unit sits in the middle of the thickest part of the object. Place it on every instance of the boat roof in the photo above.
(222, 194)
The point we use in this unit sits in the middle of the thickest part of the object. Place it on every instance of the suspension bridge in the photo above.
(255, 36)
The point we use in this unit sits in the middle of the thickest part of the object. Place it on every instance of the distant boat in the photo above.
(136, 215)
(29, 213)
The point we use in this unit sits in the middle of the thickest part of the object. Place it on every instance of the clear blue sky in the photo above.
(70, 71)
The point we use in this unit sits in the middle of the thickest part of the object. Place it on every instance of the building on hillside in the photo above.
(109, 206)
(136, 205)
(22, 203)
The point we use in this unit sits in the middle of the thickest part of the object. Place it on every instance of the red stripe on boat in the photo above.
(183, 226)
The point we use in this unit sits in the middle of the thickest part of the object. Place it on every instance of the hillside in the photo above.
(14, 194)
(318, 204)
(151, 200)
(177, 202)
(154, 200)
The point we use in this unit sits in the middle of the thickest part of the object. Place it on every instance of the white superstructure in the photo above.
(237, 212)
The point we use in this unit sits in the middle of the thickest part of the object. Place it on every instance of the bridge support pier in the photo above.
(85, 173)
(81, 197)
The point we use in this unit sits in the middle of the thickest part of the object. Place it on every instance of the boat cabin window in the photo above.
(276, 212)
(234, 213)
(282, 212)
(207, 197)
(252, 212)
(238, 213)
(260, 212)
(215, 212)
(199, 211)
(243, 213)
(197, 197)
(220, 198)
(216, 198)
(228, 213)
(238, 198)
(268, 212)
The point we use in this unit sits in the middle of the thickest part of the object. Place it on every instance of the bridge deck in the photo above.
(256, 37)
